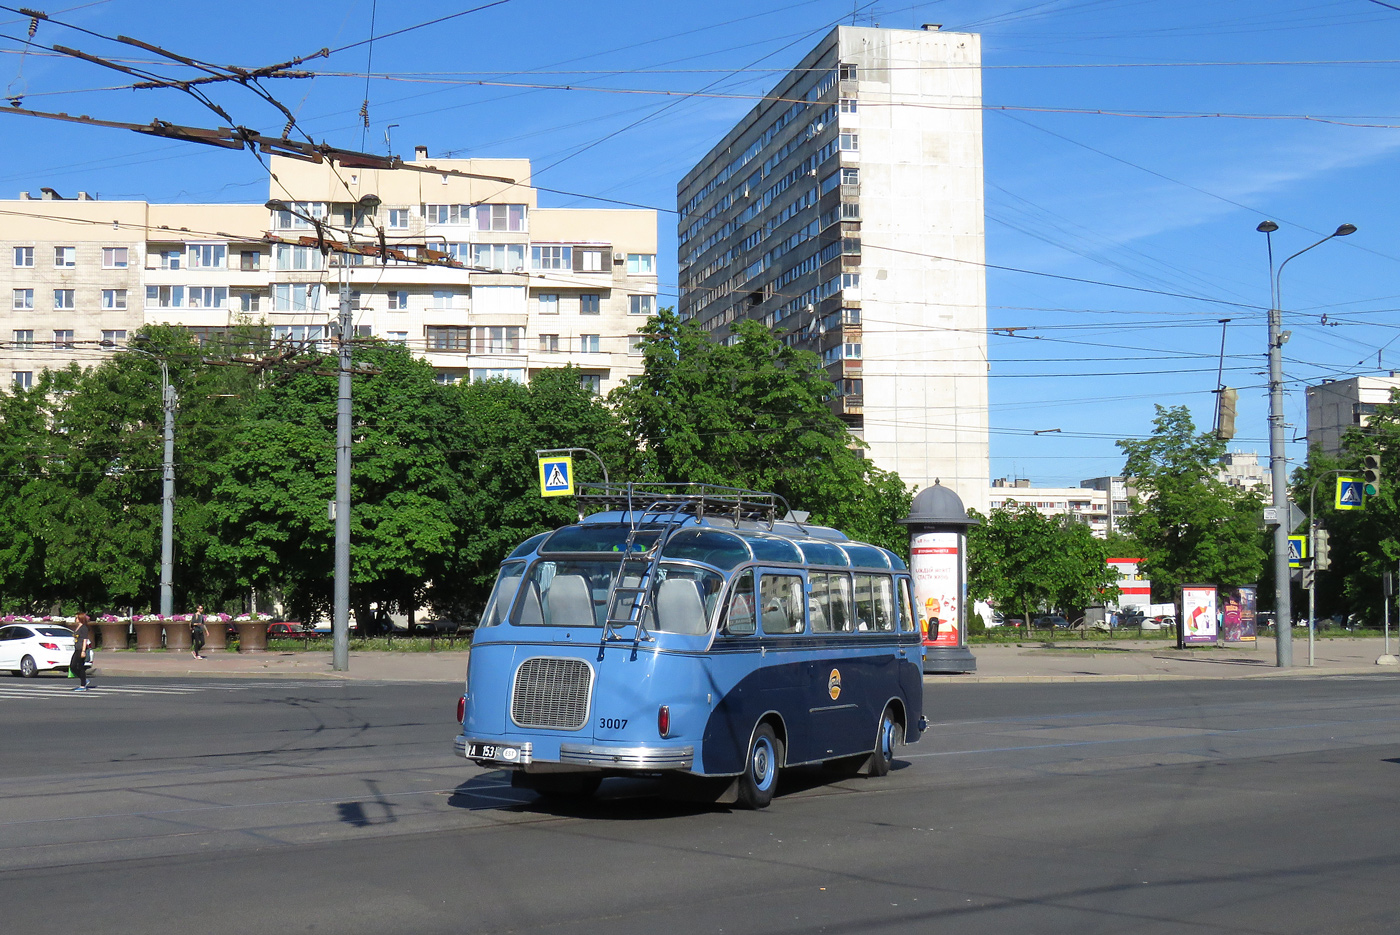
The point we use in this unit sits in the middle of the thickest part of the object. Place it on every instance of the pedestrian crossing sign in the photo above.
(1297, 551)
(556, 476)
(1350, 494)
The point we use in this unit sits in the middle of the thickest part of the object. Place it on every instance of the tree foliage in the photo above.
(1023, 561)
(1191, 525)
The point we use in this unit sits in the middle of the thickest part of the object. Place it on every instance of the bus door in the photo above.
(834, 678)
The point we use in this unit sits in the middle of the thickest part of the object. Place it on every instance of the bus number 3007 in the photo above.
(612, 723)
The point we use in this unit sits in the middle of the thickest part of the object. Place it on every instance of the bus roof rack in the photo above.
(698, 500)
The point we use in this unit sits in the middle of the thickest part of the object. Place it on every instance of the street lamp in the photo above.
(167, 495)
(1278, 461)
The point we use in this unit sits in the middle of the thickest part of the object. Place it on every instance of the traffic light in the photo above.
(1307, 579)
(1322, 559)
(1371, 474)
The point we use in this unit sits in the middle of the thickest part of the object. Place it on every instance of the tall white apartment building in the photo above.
(1087, 505)
(1335, 406)
(539, 287)
(845, 211)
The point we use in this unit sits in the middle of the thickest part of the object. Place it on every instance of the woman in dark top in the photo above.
(82, 642)
(197, 632)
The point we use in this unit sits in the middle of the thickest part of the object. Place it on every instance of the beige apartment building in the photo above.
(536, 288)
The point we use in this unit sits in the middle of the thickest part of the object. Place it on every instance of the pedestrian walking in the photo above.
(82, 645)
(197, 632)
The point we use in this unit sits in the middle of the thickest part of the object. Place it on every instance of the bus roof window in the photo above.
(529, 545)
(599, 538)
(773, 549)
(866, 556)
(823, 553)
(720, 549)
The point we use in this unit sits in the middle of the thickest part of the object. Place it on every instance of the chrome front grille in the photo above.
(552, 693)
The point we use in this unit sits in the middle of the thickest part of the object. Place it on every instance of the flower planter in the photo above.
(147, 635)
(252, 636)
(215, 634)
(177, 635)
(113, 634)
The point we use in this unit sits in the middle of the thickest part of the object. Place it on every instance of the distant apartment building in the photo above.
(1079, 504)
(845, 212)
(1334, 406)
(537, 288)
(1242, 469)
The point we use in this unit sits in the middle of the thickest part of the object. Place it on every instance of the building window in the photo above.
(444, 298)
(641, 264)
(24, 338)
(114, 257)
(588, 344)
(293, 257)
(165, 296)
(364, 331)
(588, 260)
(641, 305)
(514, 374)
(24, 299)
(500, 217)
(63, 337)
(549, 303)
(848, 72)
(208, 296)
(294, 219)
(552, 258)
(298, 334)
(591, 382)
(171, 259)
(296, 297)
(65, 257)
(63, 298)
(207, 255)
(449, 338)
(398, 337)
(848, 351)
(398, 219)
(114, 337)
(398, 300)
(114, 298)
(447, 214)
(24, 257)
(634, 345)
(549, 344)
(848, 105)
(850, 210)
(249, 301)
(497, 339)
(850, 142)
(24, 379)
(588, 304)
(850, 176)
(250, 260)
(507, 257)
(850, 281)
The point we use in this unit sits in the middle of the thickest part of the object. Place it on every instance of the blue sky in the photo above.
(1103, 162)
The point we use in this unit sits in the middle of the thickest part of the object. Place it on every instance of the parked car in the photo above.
(1051, 621)
(291, 631)
(28, 649)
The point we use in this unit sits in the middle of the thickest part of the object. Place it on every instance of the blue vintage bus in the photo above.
(691, 630)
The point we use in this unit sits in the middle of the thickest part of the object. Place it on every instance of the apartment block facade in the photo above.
(845, 212)
(1337, 406)
(538, 287)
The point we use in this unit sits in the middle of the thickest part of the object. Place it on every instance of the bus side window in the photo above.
(884, 603)
(865, 604)
(907, 623)
(818, 602)
(740, 620)
(782, 600)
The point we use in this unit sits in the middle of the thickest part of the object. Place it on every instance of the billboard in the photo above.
(1197, 621)
(1238, 617)
(934, 564)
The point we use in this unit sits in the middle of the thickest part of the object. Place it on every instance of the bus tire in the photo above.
(889, 736)
(570, 787)
(760, 777)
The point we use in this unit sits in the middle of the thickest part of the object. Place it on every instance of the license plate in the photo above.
(491, 751)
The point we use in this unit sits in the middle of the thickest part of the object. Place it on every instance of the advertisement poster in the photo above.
(934, 565)
(1237, 615)
(1198, 620)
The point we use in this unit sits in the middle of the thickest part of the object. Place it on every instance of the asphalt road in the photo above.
(167, 806)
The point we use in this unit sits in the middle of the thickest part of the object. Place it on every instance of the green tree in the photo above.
(754, 414)
(1023, 561)
(1190, 524)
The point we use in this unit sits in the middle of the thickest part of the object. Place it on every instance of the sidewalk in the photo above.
(1067, 661)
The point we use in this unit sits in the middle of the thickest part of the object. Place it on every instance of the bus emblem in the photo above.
(833, 684)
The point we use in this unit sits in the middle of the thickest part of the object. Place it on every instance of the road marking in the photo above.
(36, 691)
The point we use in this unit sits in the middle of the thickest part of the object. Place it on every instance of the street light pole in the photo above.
(1278, 458)
(168, 399)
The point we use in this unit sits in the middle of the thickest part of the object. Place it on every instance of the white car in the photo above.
(26, 649)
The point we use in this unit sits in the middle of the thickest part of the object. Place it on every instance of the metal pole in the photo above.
(1312, 591)
(1283, 610)
(340, 656)
(167, 498)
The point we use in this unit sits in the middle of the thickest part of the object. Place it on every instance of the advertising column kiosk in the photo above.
(938, 525)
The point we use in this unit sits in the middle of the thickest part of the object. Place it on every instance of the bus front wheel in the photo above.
(760, 778)
(890, 735)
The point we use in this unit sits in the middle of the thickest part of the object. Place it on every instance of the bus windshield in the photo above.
(574, 593)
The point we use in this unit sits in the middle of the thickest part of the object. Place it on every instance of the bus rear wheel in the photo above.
(760, 777)
(889, 736)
